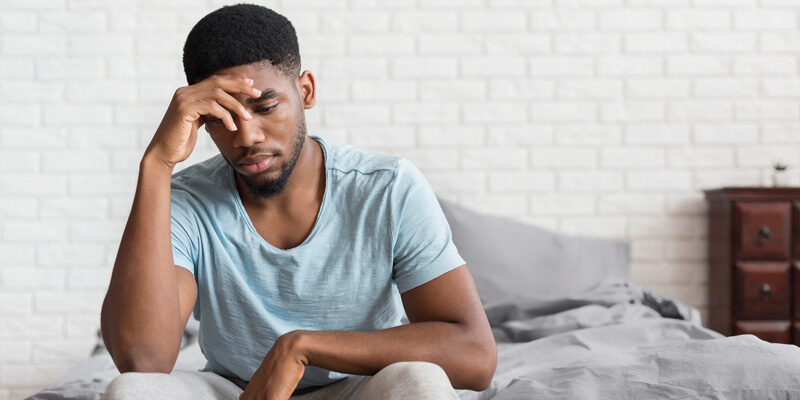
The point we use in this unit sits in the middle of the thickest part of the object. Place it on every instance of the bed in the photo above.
(568, 323)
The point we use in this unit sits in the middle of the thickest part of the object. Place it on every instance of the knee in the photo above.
(414, 379)
(410, 371)
(129, 385)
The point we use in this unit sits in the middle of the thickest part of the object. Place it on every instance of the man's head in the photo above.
(257, 43)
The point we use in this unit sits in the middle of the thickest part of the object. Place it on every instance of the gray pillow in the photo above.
(514, 260)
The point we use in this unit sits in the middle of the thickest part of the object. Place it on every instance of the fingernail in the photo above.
(249, 81)
(247, 115)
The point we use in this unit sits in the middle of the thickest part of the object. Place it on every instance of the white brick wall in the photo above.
(593, 117)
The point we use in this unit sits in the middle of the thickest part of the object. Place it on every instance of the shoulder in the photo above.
(200, 181)
(346, 159)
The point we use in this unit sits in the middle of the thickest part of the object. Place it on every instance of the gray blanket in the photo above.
(614, 341)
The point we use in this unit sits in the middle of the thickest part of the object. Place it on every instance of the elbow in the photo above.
(142, 363)
(483, 361)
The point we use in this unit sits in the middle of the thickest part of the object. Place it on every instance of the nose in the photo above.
(248, 133)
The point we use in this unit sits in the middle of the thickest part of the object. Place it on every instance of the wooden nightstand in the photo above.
(754, 256)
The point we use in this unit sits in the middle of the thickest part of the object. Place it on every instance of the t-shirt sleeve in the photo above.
(423, 247)
(183, 230)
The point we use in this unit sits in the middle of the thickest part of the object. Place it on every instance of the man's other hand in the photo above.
(278, 375)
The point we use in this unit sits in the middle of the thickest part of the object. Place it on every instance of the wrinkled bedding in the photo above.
(613, 341)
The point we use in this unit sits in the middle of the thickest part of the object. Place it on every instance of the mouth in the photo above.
(254, 165)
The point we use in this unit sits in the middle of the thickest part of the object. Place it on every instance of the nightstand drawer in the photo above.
(762, 290)
(761, 230)
(771, 331)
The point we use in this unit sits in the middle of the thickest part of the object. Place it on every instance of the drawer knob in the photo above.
(764, 234)
(766, 289)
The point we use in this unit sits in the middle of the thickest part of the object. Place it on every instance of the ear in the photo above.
(307, 89)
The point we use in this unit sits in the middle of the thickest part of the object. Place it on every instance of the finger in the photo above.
(227, 101)
(213, 109)
(232, 84)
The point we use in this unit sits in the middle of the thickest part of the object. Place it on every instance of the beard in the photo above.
(267, 188)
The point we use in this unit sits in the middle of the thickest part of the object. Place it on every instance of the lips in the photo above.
(256, 159)
(259, 164)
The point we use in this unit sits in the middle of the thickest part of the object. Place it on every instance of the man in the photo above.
(297, 255)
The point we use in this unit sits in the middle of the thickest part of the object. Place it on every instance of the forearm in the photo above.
(140, 317)
(468, 361)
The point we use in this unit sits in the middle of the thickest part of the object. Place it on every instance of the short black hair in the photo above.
(240, 34)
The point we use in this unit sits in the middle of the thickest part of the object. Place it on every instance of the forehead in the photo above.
(263, 74)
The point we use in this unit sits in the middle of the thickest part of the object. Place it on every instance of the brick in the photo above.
(560, 66)
(26, 326)
(517, 43)
(383, 136)
(356, 114)
(495, 158)
(722, 42)
(767, 110)
(26, 91)
(563, 111)
(453, 90)
(384, 90)
(69, 302)
(657, 88)
(630, 19)
(30, 44)
(74, 161)
(766, 155)
(659, 180)
(691, 204)
(589, 180)
(354, 67)
(494, 21)
(589, 88)
(450, 44)
(726, 87)
(424, 22)
(764, 64)
(701, 157)
(725, 133)
(630, 203)
(19, 162)
(644, 250)
(82, 326)
(490, 66)
(587, 134)
(446, 135)
(425, 113)
(69, 68)
(522, 135)
(780, 132)
(764, 19)
(697, 19)
(96, 230)
(700, 110)
(18, 21)
(631, 111)
(99, 45)
(89, 278)
(16, 67)
(661, 42)
(19, 115)
(662, 226)
(15, 351)
(787, 87)
(93, 184)
(73, 254)
(697, 65)
(570, 157)
(632, 157)
(521, 182)
(14, 304)
(587, 43)
(521, 89)
(354, 21)
(27, 184)
(18, 206)
(380, 44)
(686, 250)
(34, 138)
(32, 278)
(35, 230)
(461, 181)
(780, 42)
(629, 65)
(495, 112)
(715, 179)
(78, 207)
(424, 67)
(561, 19)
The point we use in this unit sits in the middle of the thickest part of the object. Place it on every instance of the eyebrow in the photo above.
(265, 94)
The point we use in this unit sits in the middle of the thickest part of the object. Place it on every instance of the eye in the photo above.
(266, 110)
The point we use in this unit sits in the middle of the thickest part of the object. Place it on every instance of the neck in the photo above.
(304, 183)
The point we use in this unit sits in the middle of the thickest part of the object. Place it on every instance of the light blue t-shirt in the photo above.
(379, 232)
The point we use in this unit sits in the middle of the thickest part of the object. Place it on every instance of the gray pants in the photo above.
(402, 380)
